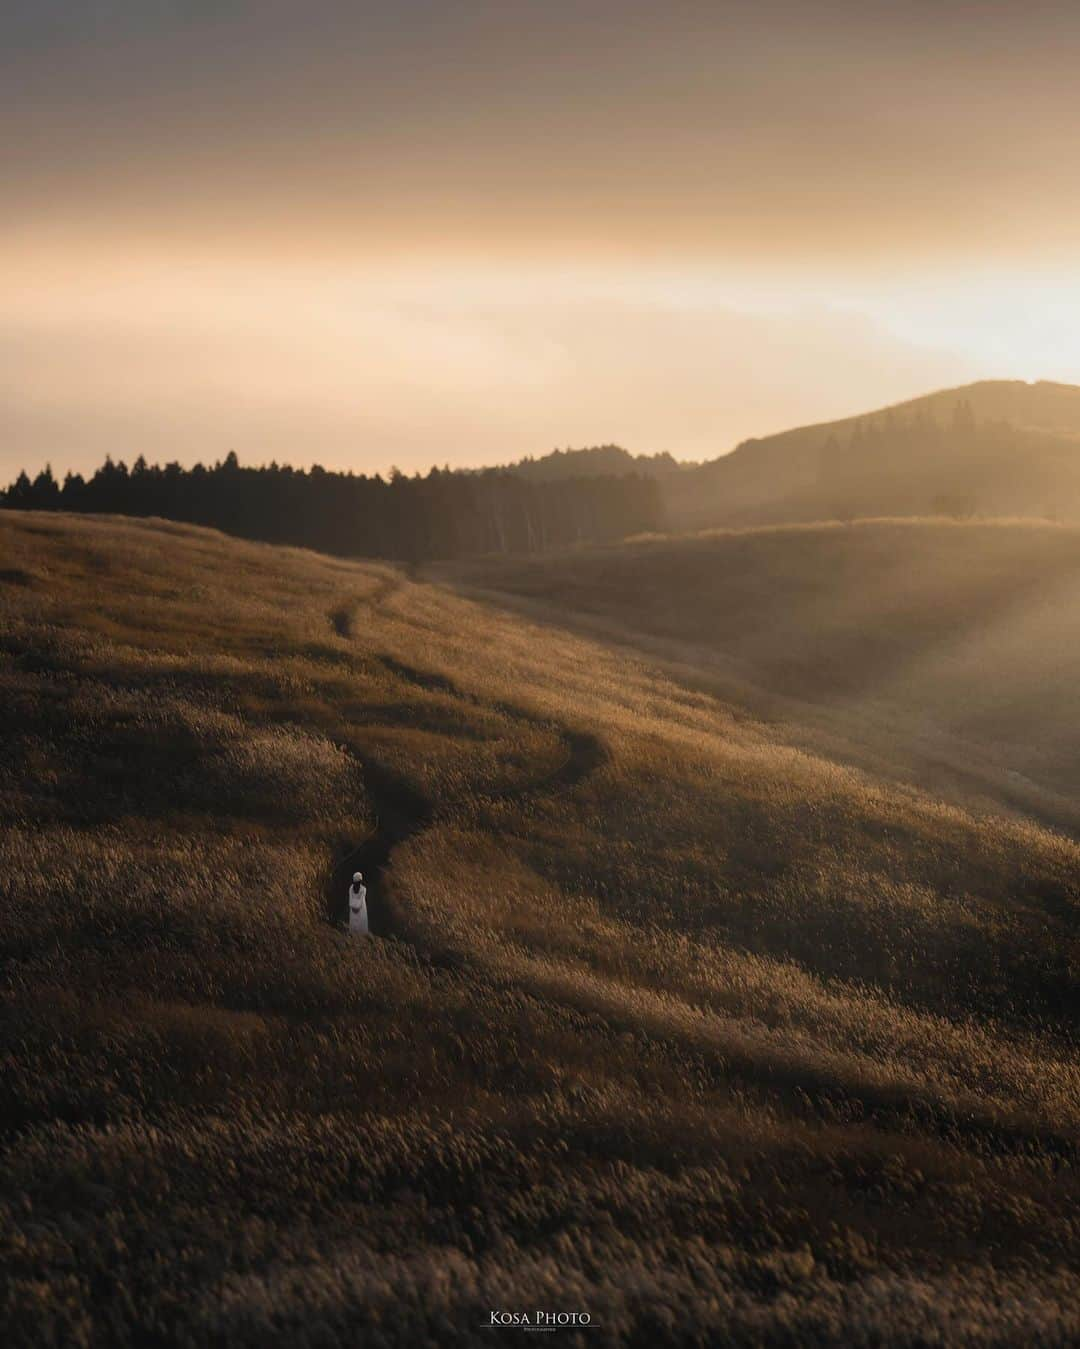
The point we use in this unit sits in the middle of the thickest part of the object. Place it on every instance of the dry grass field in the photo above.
(944, 653)
(670, 1019)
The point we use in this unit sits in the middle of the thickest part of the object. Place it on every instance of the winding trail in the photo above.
(402, 811)
(342, 615)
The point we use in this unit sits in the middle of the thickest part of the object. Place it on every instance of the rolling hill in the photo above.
(940, 652)
(992, 448)
(997, 447)
(670, 1020)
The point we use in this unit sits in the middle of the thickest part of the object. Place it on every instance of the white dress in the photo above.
(358, 909)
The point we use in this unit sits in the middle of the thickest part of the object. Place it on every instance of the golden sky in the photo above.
(420, 232)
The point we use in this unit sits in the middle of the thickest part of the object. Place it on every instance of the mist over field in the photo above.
(939, 651)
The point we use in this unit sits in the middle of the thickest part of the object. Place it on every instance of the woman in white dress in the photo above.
(358, 905)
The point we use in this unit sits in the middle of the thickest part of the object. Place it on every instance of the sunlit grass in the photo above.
(672, 1019)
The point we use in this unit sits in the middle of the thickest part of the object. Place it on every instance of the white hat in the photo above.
(357, 876)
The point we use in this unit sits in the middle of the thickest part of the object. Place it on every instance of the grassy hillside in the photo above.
(946, 651)
(1023, 458)
(667, 1021)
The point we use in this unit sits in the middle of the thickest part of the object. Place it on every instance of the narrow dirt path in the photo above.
(343, 616)
(402, 811)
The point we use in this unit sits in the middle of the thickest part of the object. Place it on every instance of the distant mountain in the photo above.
(994, 447)
(997, 447)
(598, 461)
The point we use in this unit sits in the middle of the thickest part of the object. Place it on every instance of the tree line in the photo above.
(598, 461)
(444, 514)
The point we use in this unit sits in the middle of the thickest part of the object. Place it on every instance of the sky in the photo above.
(413, 233)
